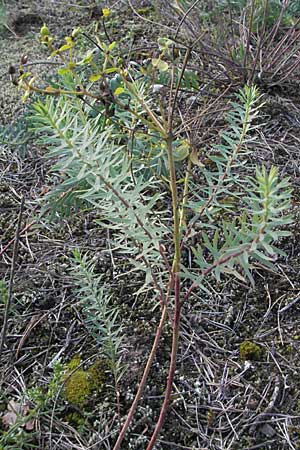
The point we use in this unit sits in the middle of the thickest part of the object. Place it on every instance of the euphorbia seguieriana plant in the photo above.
(113, 130)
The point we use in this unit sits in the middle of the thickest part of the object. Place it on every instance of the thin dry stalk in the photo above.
(12, 275)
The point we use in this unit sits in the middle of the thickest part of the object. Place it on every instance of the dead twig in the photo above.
(12, 274)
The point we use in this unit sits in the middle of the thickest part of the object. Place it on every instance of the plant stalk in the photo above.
(143, 380)
(171, 374)
(175, 270)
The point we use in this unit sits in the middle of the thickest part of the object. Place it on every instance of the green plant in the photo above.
(102, 319)
(14, 136)
(43, 397)
(79, 384)
(3, 292)
(23, 413)
(16, 439)
(271, 9)
(118, 151)
(258, 44)
(78, 388)
(250, 351)
(267, 12)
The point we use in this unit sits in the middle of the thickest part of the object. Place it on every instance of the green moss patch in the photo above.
(81, 384)
(250, 351)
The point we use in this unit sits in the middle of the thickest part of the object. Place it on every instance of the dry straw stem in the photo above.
(12, 275)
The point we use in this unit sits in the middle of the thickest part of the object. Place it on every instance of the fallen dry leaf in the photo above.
(14, 411)
(9, 419)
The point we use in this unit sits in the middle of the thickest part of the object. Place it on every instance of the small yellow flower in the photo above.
(105, 12)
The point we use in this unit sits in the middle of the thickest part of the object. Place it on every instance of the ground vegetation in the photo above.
(149, 173)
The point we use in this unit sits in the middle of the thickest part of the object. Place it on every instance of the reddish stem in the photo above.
(26, 228)
(172, 368)
(143, 380)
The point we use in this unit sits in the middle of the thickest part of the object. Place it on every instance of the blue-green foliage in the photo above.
(97, 172)
(102, 319)
(238, 216)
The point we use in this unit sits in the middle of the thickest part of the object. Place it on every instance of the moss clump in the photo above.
(75, 419)
(73, 363)
(97, 373)
(78, 388)
(250, 351)
(81, 384)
